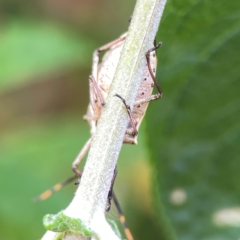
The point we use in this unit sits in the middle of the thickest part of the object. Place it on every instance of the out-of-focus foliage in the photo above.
(29, 48)
(28, 163)
(194, 133)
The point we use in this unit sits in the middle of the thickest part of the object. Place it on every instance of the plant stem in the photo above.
(90, 200)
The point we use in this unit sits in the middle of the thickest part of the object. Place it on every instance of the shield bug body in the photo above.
(101, 79)
(99, 84)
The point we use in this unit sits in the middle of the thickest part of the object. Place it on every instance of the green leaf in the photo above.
(62, 223)
(194, 132)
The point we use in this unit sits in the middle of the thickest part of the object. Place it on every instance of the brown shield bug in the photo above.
(99, 85)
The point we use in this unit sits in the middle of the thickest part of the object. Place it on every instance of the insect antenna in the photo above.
(55, 188)
(122, 217)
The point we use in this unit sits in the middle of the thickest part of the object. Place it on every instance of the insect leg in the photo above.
(109, 45)
(150, 69)
(134, 132)
(122, 217)
(80, 156)
(147, 99)
(97, 90)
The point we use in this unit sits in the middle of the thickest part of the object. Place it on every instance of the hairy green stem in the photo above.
(90, 200)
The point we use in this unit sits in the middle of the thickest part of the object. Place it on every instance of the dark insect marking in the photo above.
(142, 93)
(138, 106)
(145, 79)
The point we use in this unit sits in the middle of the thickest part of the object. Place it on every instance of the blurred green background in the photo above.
(182, 180)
